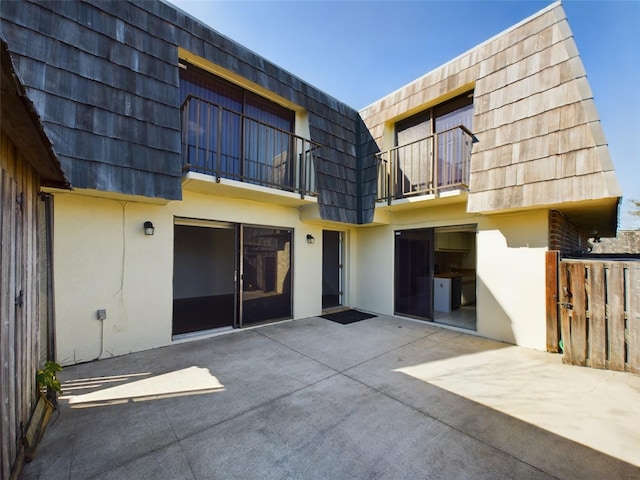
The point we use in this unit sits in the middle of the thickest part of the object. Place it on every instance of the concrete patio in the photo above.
(384, 398)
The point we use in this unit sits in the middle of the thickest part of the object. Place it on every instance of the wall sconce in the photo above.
(310, 238)
(148, 228)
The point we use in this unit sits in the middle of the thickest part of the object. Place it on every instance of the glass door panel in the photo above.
(414, 273)
(266, 274)
(204, 287)
(331, 269)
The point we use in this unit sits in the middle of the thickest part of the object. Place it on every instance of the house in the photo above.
(213, 190)
(28, 162)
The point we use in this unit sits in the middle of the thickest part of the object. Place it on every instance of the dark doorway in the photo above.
(332, 266)
(414, 273)
(204, 267)
(266, 274)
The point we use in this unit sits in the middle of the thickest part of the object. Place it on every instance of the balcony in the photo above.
(429, 166)
(226, 144)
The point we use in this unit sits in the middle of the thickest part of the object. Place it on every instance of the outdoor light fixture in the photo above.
(310, 238)
(148, 228)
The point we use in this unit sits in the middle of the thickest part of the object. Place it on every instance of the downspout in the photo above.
(47, 198)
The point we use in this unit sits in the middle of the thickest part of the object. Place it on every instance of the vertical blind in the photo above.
(216, 90)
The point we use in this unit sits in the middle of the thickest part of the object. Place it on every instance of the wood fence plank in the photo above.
(615, 320)
(553, 326)
(18, 320)
(578, 314)
(597, 318)
(9, 395)
(5, 310)
(634, 318)
(565, 313)
(20, 333)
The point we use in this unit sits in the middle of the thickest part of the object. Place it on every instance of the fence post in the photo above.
(553, 326)
(564, 294)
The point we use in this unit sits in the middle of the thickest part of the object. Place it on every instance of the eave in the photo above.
(22, 124)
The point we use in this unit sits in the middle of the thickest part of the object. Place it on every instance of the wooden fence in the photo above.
(20, 326)
(597, 303)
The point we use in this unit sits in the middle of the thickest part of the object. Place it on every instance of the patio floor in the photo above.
(384, 398)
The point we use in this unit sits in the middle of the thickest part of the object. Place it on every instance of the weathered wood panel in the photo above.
(600, 313)
(615, 296)
(597, 316)
(19, 328)
(553, 326)
(579, 314)
(564, 282)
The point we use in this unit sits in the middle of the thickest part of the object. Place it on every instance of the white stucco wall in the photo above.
(103, 260)
(373, 285)
(511, 278)
(510, 269)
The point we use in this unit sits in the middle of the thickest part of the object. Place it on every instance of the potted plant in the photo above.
(48, 386)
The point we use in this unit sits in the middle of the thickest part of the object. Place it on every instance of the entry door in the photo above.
(332, 269)
(266, 274)
(204, 277)
(414, 273)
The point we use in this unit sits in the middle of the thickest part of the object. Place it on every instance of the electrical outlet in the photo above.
(102, 315)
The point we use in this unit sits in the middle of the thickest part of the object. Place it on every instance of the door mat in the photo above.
(347, 316)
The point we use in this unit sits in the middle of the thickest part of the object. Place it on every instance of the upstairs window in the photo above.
(205, 86)
(446, 116)
(232, 133)
(432, 152)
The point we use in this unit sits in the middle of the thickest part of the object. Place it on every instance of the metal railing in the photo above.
(430, 165)
(227, 144)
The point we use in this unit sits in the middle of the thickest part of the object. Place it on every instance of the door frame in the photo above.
(341, 267)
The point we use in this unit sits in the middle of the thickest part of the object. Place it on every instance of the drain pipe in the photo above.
(47, 198)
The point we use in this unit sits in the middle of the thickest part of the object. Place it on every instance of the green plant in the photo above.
(46, 377)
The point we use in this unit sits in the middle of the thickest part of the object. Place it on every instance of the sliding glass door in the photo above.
(414, 273)
(229, 275)
(266, 274)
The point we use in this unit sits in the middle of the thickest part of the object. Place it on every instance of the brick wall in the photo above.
(564, 235)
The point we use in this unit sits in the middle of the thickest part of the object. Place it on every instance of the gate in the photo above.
(596, 308)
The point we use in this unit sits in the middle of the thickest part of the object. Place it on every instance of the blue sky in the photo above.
(359, 51)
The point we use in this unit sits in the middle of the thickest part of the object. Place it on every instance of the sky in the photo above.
(360, 51)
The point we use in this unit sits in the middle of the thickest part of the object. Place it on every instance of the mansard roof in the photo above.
(539, 138)
(104, 79)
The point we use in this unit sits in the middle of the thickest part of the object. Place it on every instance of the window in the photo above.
(233, 133)
(433, 148)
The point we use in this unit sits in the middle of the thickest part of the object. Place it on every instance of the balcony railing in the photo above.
(430, 165)
(226, 144)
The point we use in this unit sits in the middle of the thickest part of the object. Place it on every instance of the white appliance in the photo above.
(442, 294)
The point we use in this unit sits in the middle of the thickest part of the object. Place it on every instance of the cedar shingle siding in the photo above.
(104, 78)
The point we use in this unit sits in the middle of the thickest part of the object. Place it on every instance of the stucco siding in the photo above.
(510, 275)
(104, 261)
(511, 278)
